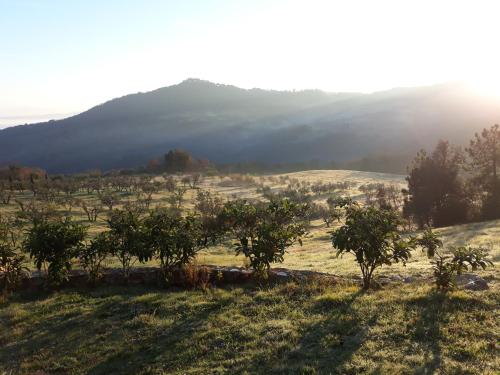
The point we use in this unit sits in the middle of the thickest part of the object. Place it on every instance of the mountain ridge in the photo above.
(227, 124)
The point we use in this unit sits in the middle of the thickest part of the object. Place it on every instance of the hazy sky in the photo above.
(60, 57)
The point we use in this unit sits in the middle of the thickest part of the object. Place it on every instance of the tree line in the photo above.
(452, 186)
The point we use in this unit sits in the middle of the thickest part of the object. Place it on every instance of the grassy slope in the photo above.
(289, 328)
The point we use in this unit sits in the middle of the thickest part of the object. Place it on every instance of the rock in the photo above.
(382, 280)
(472, 282)
(409, 279)
(477, 285)
(396, 278)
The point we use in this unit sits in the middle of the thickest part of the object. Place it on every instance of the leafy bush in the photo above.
(127, 238)
(209, 208)
(372, 236)
(11, 261)
(55, 243)
(173, 239)
(333, 211)
(430, 242)
(93, 255)
(265, 232)
(447, 267)
(11, 268)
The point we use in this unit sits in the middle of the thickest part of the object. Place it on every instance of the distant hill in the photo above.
(228, 124)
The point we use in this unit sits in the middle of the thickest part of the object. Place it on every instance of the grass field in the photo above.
(282, 329)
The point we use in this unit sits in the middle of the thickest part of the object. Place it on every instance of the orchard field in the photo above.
(295, 327)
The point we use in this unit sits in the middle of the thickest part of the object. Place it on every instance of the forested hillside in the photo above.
(379, 131)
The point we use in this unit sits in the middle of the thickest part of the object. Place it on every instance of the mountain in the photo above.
(228, 124)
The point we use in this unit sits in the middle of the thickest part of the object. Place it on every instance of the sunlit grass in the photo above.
(290, 328)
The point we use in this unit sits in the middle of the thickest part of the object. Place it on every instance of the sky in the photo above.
(60, 57)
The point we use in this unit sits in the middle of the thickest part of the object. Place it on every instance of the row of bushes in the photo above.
(262, 232)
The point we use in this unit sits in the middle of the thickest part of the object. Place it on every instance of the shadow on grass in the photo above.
(433, 311)
(326, 345)
(116, 332)
(143, 330)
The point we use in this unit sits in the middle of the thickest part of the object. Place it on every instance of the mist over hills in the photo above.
(227, 124)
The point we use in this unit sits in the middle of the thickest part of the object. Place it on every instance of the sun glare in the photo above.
(489, 85)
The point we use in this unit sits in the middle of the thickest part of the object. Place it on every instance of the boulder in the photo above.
(472, 282)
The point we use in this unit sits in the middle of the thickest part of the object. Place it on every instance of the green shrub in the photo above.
(54, 244)
(127, 240)
(264, 232)
(11, 261)
(173, 239)
(429, 242)
(93, 255)
(447, 267)
(11, 268)
(372, 236)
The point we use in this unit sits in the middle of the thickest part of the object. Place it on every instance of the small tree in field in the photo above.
(55, 243)
(109, 200)
(372, 236)
(265, 232)
(127, 238)
(11, 262)
(93, 255)
(174, 240)
(91, 209)
(447, 267)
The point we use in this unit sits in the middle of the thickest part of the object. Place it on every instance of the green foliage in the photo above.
(93, 255)
(484, 164)
(11, 268)
(55, 243)
(429, 242)
(173, 239)
(372, 236)
(209, 208)
(127, 238)
(11, 262)
(264, 232)
(447, 267)
(435, 194)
